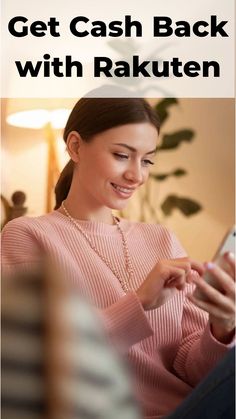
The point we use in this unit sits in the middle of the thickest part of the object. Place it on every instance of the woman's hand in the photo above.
(164, 280)
(220, 304)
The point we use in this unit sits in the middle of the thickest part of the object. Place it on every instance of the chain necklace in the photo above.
(128, 264)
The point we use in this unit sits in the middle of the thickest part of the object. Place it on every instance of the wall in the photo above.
(210, 164)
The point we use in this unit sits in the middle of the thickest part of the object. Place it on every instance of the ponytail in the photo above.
(63, 184)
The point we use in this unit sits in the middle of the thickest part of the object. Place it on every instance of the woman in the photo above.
(136, 274)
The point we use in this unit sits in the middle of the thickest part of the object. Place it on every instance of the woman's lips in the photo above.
(122, 190)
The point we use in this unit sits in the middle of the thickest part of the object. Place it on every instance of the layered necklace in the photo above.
(124, 282)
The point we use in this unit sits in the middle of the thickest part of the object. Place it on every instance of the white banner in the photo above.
(155, 48)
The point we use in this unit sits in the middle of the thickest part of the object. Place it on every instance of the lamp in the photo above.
(49, 121)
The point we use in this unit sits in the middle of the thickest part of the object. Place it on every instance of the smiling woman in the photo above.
(111, 143)
(137, 275)
(107, 172)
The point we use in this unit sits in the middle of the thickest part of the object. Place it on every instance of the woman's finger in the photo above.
(222, 279)
(178, 281)
(191, 267)
(182, 264)
(197, 266)
(212, 295)
(212, 309)
(187, 264)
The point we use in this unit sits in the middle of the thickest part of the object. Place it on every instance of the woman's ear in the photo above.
(73, 144)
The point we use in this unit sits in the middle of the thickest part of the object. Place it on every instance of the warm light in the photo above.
(29, 119)
(38, 118)
(58, 118)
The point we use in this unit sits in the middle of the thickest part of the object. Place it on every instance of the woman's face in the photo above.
(115, 163)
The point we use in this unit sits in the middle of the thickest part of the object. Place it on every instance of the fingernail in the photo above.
(209, 265)
(231, 256)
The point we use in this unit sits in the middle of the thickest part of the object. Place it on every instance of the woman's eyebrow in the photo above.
(134, 149)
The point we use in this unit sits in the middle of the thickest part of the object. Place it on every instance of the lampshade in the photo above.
(38, 118)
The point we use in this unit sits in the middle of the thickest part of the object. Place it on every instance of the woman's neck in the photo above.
(80, 211)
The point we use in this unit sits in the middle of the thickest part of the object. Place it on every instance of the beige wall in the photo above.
(209, 160)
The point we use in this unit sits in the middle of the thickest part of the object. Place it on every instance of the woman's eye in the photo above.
(121, 156)
(147, 162)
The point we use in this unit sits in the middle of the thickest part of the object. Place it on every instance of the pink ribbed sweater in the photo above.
(169, 349)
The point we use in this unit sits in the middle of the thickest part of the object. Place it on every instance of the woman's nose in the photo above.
(134, 174)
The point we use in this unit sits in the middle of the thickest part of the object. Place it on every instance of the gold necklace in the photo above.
(128, 264)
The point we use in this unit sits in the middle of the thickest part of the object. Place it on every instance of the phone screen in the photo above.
(227, 244)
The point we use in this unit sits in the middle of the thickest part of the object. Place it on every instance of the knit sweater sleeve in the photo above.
(19, 247)
(22, 250)
(126, 322)
(199, 351)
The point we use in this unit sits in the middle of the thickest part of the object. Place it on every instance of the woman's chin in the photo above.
(118, 206)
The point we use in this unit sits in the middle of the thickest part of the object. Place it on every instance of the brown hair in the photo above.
(91, 116)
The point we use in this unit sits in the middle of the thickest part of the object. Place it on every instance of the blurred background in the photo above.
(191, 189)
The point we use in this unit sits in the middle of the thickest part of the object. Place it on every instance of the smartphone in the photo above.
(227, 245)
